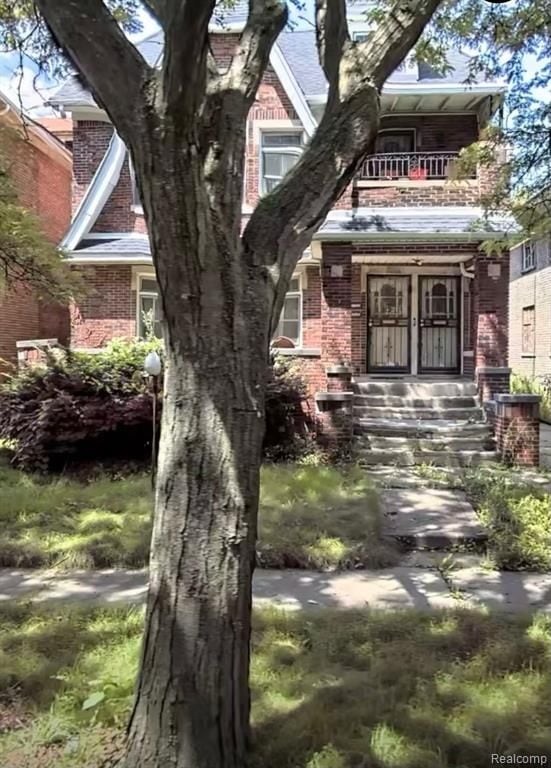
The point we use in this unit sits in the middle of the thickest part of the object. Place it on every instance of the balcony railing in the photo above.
(416, 166)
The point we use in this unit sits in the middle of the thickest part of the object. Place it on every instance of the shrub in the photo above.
(517, 517)
(287, 436)
(79, 405)
(87, 407)
(535, 385)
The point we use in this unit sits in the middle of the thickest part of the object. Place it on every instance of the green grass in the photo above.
(517, 517)
(310, 517)
(353, 689)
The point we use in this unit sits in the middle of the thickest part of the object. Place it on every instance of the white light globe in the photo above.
(152, 364)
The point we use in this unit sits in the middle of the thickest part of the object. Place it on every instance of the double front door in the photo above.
(413, 328)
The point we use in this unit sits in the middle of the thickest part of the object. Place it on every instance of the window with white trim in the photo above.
(280, 151)
(290, 320)
(149, 307)
(528, 256)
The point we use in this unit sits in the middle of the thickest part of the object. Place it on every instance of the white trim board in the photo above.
(97, 194)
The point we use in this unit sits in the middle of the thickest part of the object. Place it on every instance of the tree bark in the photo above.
(192, 703)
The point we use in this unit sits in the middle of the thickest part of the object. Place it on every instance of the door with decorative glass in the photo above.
(439, 326)
(388, 334)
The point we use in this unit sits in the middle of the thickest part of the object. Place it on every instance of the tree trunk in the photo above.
(192, 703)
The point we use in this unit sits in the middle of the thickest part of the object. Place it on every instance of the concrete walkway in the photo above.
(400, 587)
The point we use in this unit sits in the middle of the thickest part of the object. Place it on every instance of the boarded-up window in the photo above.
(528, 330)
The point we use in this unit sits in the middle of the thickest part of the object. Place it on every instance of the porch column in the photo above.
(334, 406)
(490, 314)
(336, 304)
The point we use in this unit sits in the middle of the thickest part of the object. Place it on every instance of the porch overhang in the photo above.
(461, 224)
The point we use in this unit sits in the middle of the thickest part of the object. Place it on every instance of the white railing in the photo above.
(416, 166)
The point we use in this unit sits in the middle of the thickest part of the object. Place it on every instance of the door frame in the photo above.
(401, 371)
(459, 335)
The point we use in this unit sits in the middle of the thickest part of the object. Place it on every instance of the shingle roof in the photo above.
(135, 245)
(298, 48)
(395, 221)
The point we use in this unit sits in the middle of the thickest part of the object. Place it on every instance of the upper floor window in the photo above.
(149, 308)
(528, 256)
(280, 151)
(399, 140)
(290, 320)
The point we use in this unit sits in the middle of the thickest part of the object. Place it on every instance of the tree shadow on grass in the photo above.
(400, 690)
(38, 644)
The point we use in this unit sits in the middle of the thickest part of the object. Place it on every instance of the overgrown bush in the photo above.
(88, 407)
(287, 436)
(535, 385)
(79, 405)
(517, 517)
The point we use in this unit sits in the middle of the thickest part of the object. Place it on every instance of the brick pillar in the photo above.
(339, 378)
(335, 418)
(334, 411)
(518, 429)
(336, 310)
(490, 312)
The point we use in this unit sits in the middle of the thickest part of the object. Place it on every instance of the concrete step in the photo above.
(414, 389)
(383, 412)
(406, 458)
(419, 428)
(446, 444)
(395, 401)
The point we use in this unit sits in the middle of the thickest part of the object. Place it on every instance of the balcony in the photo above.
(414, 166)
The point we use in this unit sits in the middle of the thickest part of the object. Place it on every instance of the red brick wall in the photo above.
(43, 184)
(437, 133)
(490, 311)
(108, 310)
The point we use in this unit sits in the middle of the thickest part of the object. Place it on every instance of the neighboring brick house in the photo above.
(530, 307)
(40, 168)
(394, 282)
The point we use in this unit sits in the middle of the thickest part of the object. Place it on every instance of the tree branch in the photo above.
(331, 35)
(284, 221)
(265, 21)
(186, 24)
(112, 66)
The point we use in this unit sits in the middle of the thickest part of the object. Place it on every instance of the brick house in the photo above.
(530, 307)
(394, 284)
(40, 169)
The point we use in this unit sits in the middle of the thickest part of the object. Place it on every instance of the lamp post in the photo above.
(153, 367)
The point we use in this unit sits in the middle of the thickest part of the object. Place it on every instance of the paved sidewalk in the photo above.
(400, 587)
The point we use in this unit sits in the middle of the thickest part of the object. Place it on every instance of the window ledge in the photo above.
(527, 271)
(298, 351)
(138, 209)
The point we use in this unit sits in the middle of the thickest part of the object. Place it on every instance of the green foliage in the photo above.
(79, 406)
(25, 253)
(330, 689)
(534, 385)
(517, 517)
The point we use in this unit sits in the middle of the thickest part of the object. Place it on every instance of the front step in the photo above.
(415, 389)
(415, 444)
(423, 414)
(416, 428)
(394, 401)
(404, 458)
